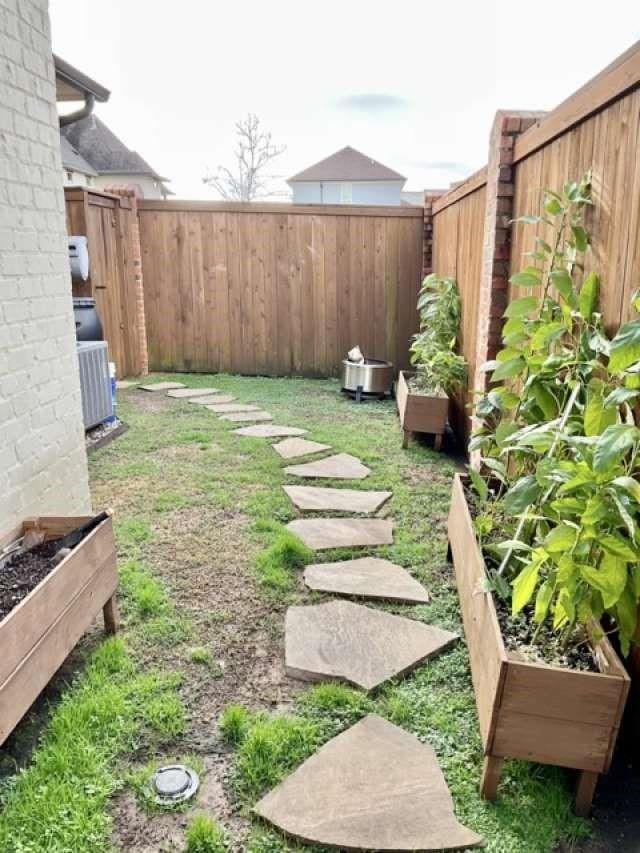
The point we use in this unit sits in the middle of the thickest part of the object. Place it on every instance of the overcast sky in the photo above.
(412, 84)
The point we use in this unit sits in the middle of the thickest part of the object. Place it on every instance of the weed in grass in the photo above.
(143, 594)
(201, 655)
(59, 802)
(234, 724)
(165, 715)
(169, 500)
(281, 558)
(335, 705)
(205, 835)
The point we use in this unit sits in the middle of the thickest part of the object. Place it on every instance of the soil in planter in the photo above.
(416, 388)
(518, 631)
(23, 573)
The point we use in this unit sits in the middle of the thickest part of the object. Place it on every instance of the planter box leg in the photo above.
(491, 770)
(437, 441)
(585, 789)
(406, 435)
(111, 616)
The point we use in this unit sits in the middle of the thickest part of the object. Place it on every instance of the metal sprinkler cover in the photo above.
(174, 783)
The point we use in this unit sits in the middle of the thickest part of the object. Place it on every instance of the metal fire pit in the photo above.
(374, 378)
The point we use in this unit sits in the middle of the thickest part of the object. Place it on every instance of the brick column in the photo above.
(132, 193)
(427, 241)
(494, 281)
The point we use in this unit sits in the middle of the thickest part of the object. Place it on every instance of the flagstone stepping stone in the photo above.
(239, 417)
(342, 466)
(373, 787)
(161, 386)
(349, 642)
(368, 577)
(322, 533)
(214, 398)
(233, 407)
(180, 393)
(268, 431)
(292, 447)
(349, 500)
(123, 384)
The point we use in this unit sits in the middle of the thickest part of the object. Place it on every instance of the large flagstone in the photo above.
(161, 386)
(373, 787)
(212, 398)
(181, 393)
(321, 533)
(367, 577)
(239, 417)
(347, 500)
(292, 447)
(349, 642)
(341, 466)
(268, 431)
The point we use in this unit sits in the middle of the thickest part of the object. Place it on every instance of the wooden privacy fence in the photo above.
(597, 129)
(109, 222)
(277, 289)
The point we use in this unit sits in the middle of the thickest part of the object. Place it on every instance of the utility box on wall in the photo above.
(78, 258)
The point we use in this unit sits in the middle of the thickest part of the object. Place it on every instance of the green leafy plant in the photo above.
(559, 500)
(439, 369)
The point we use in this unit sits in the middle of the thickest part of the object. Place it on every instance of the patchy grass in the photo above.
(205, 835)
(207, 566)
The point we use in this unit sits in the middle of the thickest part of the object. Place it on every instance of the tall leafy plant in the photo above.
(439, 368)
(558, 442)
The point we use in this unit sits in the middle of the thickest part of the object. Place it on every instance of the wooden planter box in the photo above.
(531, 711)
(39, 633)
(419, 412)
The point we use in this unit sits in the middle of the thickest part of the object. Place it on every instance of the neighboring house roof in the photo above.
(107, 154)
(72, 160)
(347, 165)
(412, 198)
(73, 85)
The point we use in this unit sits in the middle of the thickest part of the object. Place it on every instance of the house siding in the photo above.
(362, 192)
(43, 466)
(149, 187)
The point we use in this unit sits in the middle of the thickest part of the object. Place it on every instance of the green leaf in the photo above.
(581, 237)
(609, 579)
(619, 396)
(524, 586)
(521, 307)
(612, 445)
(508, 369)
(626, 612)
(553, 207)
(561, 538)
(618, 547)
(596, 417)
(521, 495)
(479, 485)
(562, 282)
(543, 600)
(625, 347)
(588, 299)
(545, 400)
(544, 335)
(629, 485)
(525, 279)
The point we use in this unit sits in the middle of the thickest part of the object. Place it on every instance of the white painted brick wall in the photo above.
(43, 467)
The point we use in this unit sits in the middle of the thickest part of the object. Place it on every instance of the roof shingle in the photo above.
(347, 165)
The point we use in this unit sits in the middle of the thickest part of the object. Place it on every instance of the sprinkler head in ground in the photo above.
(173, 784)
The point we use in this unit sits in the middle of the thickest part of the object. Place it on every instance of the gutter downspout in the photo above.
(83, 112)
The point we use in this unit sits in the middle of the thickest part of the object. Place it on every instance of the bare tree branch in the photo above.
(254, 151)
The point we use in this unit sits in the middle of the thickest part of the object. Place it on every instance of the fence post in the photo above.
(494, 278)
(427, 239)
(135, 248)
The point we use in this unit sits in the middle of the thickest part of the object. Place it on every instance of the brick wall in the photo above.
(43, 467)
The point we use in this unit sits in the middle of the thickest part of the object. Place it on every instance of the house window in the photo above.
(346, 193)
(69, 176)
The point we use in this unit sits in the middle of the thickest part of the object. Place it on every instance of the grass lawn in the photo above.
(197, 674)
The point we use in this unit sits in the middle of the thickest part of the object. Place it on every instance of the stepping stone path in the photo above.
(292, 447)
(161, 386)
(222, 408)
(239, 417)
(180, 393)
(212, 398)
(348, 500)
(342, 466)
(268, 431)
(357, 644)
(373, 787)
(322, 533)
(368, 577)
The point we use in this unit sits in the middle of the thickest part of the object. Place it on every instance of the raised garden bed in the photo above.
(38, 633)
(532, 711)
(420, 412)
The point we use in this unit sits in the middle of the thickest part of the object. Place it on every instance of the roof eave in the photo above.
(79, 82)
